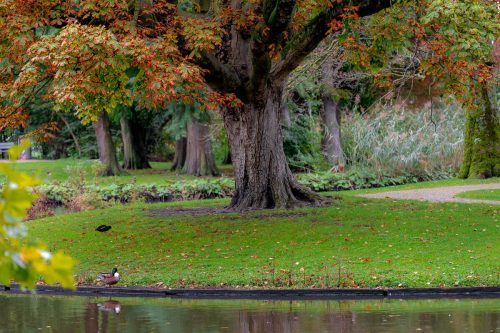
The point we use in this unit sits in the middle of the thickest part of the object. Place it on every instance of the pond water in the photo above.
(21, 313)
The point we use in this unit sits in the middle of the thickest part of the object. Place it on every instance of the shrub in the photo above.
(93, 196)
(354, 179)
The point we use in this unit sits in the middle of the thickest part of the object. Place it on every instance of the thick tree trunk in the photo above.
(482, 140)
(199, 156)
(330, 116)
(244, 67)
(134, 147)
(263, 178)
(106, 147)
(180, 155)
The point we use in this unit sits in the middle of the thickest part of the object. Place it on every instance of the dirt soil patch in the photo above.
(197, 211)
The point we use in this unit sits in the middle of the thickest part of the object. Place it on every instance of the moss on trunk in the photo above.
(482, 140)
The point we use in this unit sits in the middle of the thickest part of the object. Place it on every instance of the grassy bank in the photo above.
(481, 195)
(354, 243)
(64, 170)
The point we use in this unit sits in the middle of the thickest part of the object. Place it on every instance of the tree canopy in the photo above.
(90, 57)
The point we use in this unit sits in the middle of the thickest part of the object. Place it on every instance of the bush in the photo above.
(352, 180)
(81, 197)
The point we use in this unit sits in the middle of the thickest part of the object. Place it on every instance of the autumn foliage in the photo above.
(93, 56)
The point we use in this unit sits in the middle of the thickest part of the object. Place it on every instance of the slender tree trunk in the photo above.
(134, 147)
(331, 118)
(105, 146)
(180, 155)
(332, 145)
(73, 136)
(482, 140)
(199, 156)
(263, 178)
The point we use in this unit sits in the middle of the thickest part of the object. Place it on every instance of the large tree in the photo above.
(256, 56)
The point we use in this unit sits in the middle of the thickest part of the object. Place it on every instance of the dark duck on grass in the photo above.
(109, 278)
(103, 228)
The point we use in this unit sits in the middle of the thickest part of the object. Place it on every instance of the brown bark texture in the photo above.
(180, 155)
(134, 146)
(199, 156)
(105, 146)
(331, 118)
(263, 178)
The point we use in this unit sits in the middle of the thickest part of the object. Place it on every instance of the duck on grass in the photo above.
(109, 279)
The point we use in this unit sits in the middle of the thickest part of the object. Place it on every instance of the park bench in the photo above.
(4, 146)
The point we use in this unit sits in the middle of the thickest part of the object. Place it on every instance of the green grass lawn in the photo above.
(356, 242)
(481, 195)
(68, 169)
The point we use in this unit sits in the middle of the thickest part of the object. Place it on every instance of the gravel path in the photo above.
(437, 194)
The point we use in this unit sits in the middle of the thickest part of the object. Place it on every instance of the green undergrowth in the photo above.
(481, 195)
(80, 195)
(354, 243)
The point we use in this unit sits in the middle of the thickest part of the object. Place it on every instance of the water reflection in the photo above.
(110, 305)
(80, 314)
(96, 315)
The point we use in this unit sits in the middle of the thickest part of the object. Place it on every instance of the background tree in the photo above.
(82, 67)
(133, 124)
(106, 146)
(193, 149)
(246, 50)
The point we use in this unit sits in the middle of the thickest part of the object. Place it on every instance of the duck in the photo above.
(109, 278)
(103, 228)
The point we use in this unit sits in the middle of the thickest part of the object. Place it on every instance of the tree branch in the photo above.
(305, 41)
(278, 15)
(220, 75)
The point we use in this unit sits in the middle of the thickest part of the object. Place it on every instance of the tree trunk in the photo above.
(263, 178)
(134, 147)
(482, 140)
(244, 67)
(73, 136)
(180, 155)
(106, 147)
(199, 157)
(332, 145)
(330, 116)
